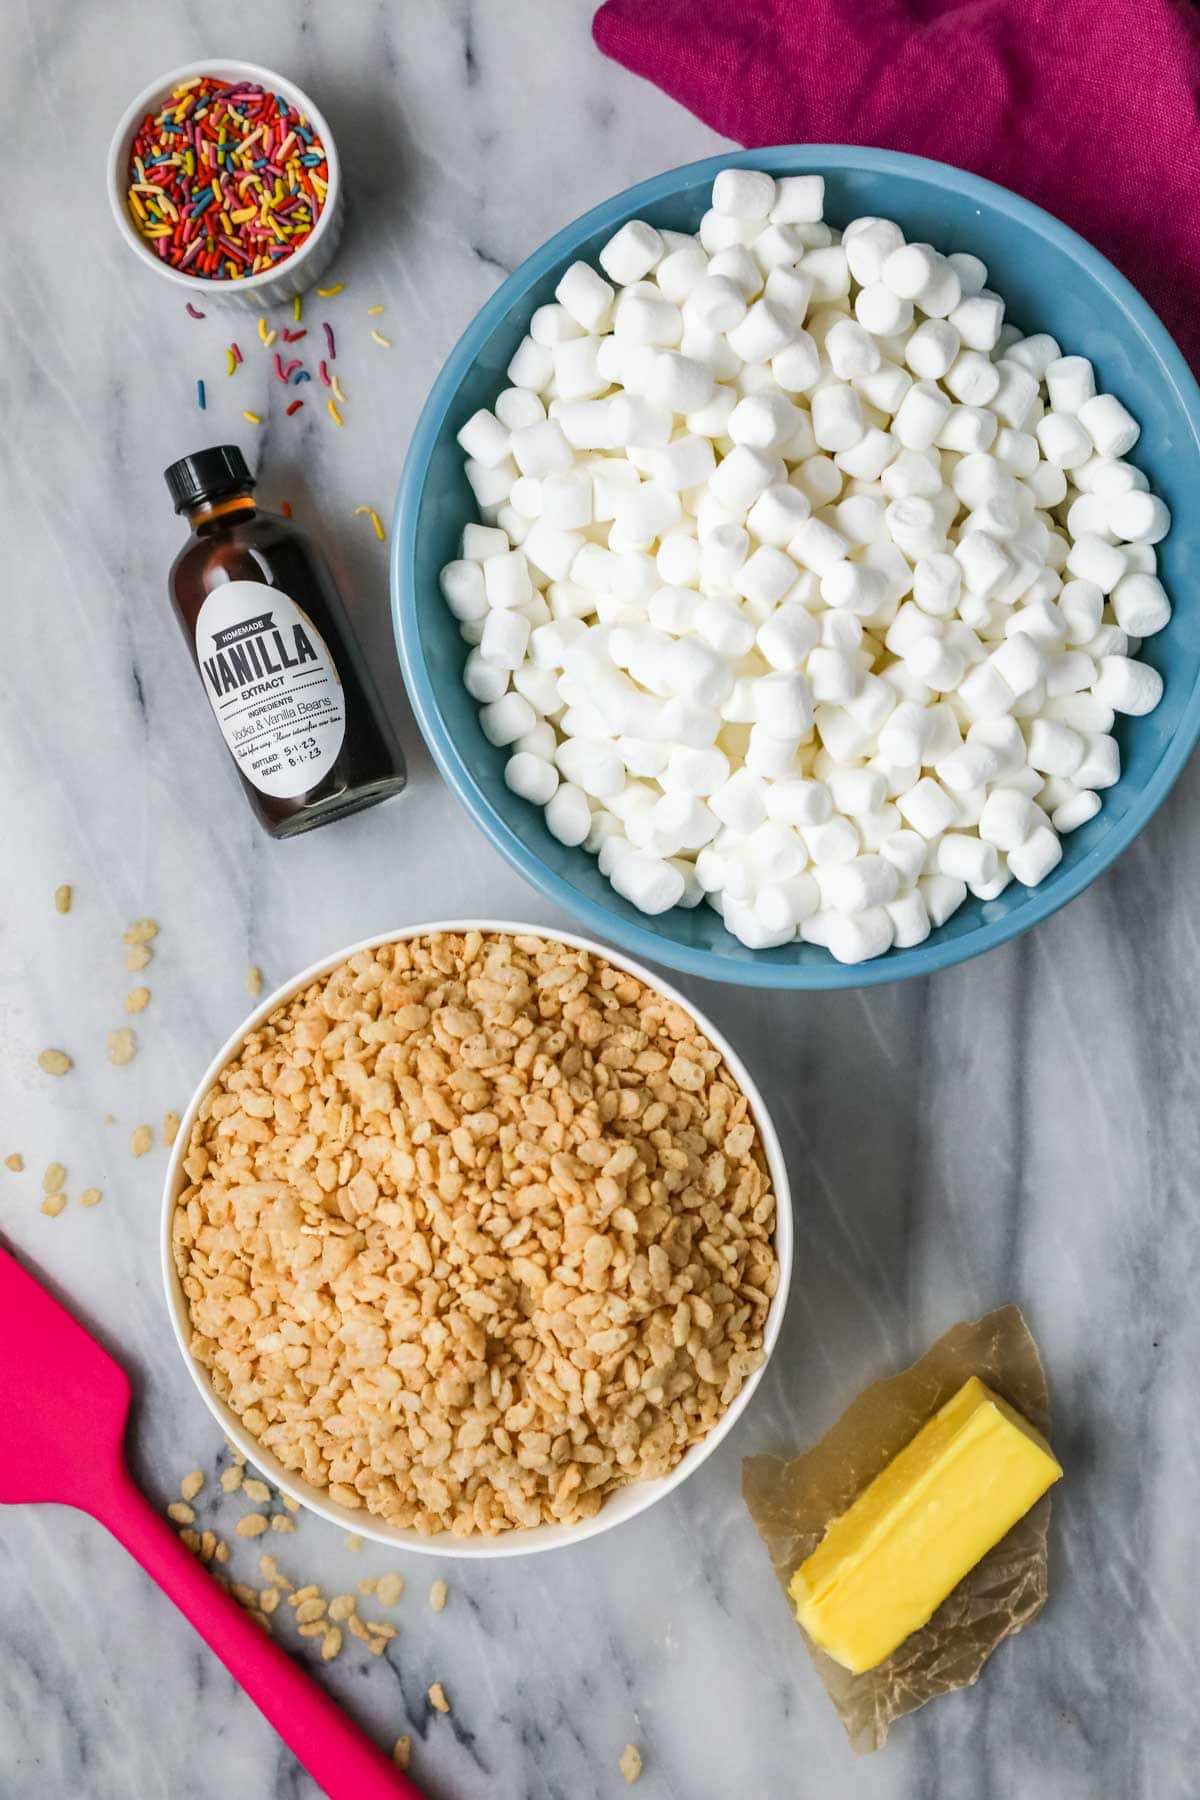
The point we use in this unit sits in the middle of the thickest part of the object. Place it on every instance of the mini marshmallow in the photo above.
(647, 882)
(787, 637)
(506, 719)
(1091, 559)
(506, 580)
(778, 514)
(1070, 383)
(937, 583)
(1007, 819)
(684, 463)
(518, 406)
(532, 365)
(1016, 399)
(851, 350)
(966, 858)
(799, 802)
(463, 590)
(592, 764)
(921, 415)
(722, 553)
(568, 815)
(857, 937)
(744, 194)
(1128, 686)
(505, 638)
(1064, 440)
(1137, 517)
(763, 421)
(928, 808)
(741, 477)
(978, 319)
(765, 577)
(679, 383)
(882, 312)
(783, 704)
(868, 242)
(484, 681)
(485, 439)
(539, 449)
(680, 270)
(723, 626)
(799, 200)
(1075, 811)
(531, 777)
(781, 905)
(586, 296)
(818, 547)
(1033, 860)
(861, 882)
(836, 841)
(1019, 660)
(910, 271)
(630, 254)
(1101, 765)
(837, 417)
(931, 350)
(834, 676)
(829, 273)
(797, 366)
(762, 334)
(1140, 605)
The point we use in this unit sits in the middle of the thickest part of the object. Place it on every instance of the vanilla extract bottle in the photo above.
(276, 654)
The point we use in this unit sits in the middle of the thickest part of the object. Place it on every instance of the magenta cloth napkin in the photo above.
(1088, 107)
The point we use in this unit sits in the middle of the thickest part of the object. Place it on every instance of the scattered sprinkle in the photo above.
(374, 310)
(122, 1046)
(302, 376)
(630, 1763)
(141, 1141)
(141, 932)
(16, 1162)
(53, 1204)
(55, 1179)
(254, 973)
(225, 180)
(293, 337)
(170, 1128)
(62, 898)
(401, 1751)
(439, 1593)
(137, 956)
(57, 1062)
(181, 1512)
(285, 509)
(270, 338)
(191, 1484)
(262, 330)
(297, 307)
(328, 330)
(237, 352)
(251, 418)
(294, 407)
(380, 339)
(137, 1000)
(329, 292)
(323, 372)
(201, 397)
(376, 521)
(338, 395)
(194, 312)
(90, 1197)
(334, 414)
(251, 1525)
(352, 1541)
(231, 362)
(437, 1698)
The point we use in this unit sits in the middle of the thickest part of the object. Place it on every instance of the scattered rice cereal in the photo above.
(15, 1162)
(53, 1204)
(170, 1128)
(137, 1000)
(512, 1206)
(55, 1179)
(55, 1062)
(90, 1197)
(141, 1141)
(402, 1751)
(258, 1491)
(438, 1595)
(191, 1484)
(254, 980)
(137, 957)
(62, 898)
(630, 1763)
(388, 1589)
(437, 1698)
(141, 932)
(122, 1045)
(251, 1525)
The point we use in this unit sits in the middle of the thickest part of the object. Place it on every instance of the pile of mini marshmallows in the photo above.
(807, 586)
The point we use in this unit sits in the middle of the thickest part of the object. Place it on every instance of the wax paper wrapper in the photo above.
(792, 1502)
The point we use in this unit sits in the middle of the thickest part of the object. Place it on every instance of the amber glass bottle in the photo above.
(275, 653)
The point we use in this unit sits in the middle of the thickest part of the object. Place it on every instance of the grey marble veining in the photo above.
(1025, 1127)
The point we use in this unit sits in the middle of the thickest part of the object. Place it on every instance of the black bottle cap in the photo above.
(207, 475)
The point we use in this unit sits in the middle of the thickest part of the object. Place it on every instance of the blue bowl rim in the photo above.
(898, 965)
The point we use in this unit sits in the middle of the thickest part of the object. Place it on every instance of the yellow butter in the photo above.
(884, 1567)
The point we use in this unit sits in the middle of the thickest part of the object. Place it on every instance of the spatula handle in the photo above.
(344, 1763)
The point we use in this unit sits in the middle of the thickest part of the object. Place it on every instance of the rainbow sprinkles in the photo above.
(226, 180)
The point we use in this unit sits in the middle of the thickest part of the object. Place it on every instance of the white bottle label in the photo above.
(273, 686)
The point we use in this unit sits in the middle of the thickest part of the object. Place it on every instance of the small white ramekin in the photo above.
(626, 1502)
(305, 266)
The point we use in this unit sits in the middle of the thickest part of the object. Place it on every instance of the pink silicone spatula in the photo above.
(63, 1405)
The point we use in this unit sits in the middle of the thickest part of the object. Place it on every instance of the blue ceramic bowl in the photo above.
(1052, 281)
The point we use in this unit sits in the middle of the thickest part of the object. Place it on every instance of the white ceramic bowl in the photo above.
(300, 270)
(627, 1502)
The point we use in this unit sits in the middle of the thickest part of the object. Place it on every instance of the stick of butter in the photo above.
(884, 1567)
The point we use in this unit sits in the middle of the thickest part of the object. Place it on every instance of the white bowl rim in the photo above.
(637, 1496)
(118, 165)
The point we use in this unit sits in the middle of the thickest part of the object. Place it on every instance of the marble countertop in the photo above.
(1022, 1128)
